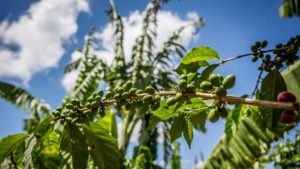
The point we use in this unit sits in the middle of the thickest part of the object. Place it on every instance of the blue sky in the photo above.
(26, 59)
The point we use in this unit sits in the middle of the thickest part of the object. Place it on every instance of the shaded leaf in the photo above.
(177, 128)
(291, 76)
(104, 150)
(188, 131)
(191, 67)
(9, 143)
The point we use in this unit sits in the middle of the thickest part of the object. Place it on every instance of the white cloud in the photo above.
(167, 23)
(39, 35)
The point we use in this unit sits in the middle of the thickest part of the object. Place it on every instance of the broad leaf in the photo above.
(9, 143)
(188, 131)
(108, 122)
(73, 147)
(104, 150)
(228, 127)
(201, 53)
(177, 128)
(191, 67)
(27, 161)
(291, 76)
(22, 98)
(271, 86)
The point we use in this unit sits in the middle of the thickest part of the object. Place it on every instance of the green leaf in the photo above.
(177, 128)
(228, 127)
(104, 150)
(201, 53)
(9, 143)
(191, 67)
(108, 122)
(199, 119)
(22, 98)
(188, 131)
(31, 141)
(291, 76)
(44, 126)
(73, 147)
(271, 86)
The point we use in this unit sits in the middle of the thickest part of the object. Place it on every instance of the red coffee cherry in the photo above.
(286, 97)
(288, 117)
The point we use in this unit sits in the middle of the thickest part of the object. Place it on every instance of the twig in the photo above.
(250, 54)
(227, 99)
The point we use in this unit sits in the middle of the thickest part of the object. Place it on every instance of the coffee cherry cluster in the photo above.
(152, 100)
(94, 103)
(288, 116)
(283, 54)
(218, 85)
(183, 86)
(215, 113)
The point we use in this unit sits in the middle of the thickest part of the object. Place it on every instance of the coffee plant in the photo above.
(83, 132)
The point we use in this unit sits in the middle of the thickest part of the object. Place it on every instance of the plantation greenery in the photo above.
(82, 133)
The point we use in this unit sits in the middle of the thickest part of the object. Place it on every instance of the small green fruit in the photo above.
(190, 88)
(75, 102)
(223, 112)
(98, 98)
(213, 115)
(117, 96)
(94, 104)
(150, 90)
(121, 90)
(148, 99)
(221, 92)
(108, 95)
(155, 106)
(182, 84)
(139, 91)
(102, 112)
(205, 85)
(90, 99)
(183, 77)
(128, 85)
(178, 96)
(125, 95)
(157, 98)
(216, 79)
(229, 81)
(69, 106)
(100, 93)
(171, 101)
(132, 91)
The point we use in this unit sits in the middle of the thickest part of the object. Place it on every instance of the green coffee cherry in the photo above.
(117, 96)
(120, 90)
(108, 95)
(148, 99)
(190, 88)
(178, 96)
(229, 81)
(102, 112)
(139, 91)
(100, 93)
(216, 79)
(213, 115)
(223, 112)
(183, 77)
(157, 99)
(264, 44)
(254, 59)
(128, 85)
(150, 90)
(94, 104)
(221, 92)
(155, 106)
(182, 84)
(90, 99)
(132, 91)
(98, 98)
(125, 94)
(69, 106)
(75, 102)
(127, 106)
(171, 101)
(205, 85)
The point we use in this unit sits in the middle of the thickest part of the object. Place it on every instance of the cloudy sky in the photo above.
(38, 38)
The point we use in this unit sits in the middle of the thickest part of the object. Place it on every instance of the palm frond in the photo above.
(22, 98)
